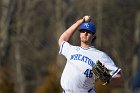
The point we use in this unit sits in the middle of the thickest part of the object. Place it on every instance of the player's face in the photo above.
(86, 36)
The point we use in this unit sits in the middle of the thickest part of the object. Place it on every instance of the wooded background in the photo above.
(29, 30)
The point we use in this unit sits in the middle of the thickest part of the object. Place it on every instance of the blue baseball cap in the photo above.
(88, 26)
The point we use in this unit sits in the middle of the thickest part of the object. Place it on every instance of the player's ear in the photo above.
(94, 38)
(94, 35)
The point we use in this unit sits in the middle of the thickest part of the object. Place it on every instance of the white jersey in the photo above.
(77, 76)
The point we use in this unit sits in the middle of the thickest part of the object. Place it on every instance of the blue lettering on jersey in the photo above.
(82, 58)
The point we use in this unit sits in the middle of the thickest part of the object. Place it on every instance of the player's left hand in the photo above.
(102, 73)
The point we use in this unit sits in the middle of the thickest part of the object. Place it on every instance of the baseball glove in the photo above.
(101, 73)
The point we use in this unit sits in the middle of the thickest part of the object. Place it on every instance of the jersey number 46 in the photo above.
(88, 73)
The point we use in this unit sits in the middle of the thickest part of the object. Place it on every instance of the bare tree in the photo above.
(6, 16)
(99, 22)
(17, 48)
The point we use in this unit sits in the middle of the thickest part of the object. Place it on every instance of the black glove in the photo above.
(101, 72)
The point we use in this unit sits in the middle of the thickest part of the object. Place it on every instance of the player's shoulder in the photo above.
(70, 45)
(101, 53)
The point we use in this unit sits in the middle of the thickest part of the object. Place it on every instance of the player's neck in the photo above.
(84, 45)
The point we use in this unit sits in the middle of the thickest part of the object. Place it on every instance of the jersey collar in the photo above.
(88, 47)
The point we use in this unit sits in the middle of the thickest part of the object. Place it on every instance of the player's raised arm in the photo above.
(69, 32)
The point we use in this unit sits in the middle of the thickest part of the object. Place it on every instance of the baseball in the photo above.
(87, 18)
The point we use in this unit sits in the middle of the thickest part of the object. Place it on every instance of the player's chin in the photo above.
(84, 40)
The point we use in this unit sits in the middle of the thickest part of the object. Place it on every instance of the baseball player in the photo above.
(78, 76)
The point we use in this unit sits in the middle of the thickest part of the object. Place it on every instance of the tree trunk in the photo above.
(59, 28)
(17, 41)
(137, 36)
(99, 23)
(6, 16)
